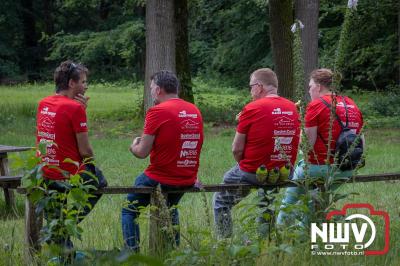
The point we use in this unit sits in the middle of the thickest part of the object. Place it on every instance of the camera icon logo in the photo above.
(337, 235)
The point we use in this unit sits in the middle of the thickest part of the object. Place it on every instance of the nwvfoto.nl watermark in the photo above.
(348, 237)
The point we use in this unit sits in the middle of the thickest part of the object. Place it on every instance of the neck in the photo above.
(167, 97)
(266, 93)
(66, 93)
(323, 93)
(271, 91)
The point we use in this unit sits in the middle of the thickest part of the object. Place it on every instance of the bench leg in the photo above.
(33, 224)
(4, 171)
(154, 226)
(8, 195)
(9, 198)
(161, 238)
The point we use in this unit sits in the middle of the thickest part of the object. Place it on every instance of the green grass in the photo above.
(107, 101)
(110, 110)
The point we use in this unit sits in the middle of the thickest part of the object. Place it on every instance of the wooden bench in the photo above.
(8, 182)
(33, 222)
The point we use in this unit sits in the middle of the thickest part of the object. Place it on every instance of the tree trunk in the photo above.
(281, 19)
(160, 42)
(30, 40)
(48, 17)
(104, 9)
(182, 50)
(307, 11)
(398, 36)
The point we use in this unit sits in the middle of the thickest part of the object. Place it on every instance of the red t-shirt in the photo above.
(178, 129)
(267, 122)
(318, 115)
(59, 118)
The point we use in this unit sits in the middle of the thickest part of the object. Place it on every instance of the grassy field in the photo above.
(113, 121)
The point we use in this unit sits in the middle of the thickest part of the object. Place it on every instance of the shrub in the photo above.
(112, 54)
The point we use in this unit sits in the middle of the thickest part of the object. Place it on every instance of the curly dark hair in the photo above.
(68, 70)
(166, 80)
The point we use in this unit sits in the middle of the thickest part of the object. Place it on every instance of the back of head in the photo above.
(166, 80)
(266, 76)
(66, 71)
(322, 76)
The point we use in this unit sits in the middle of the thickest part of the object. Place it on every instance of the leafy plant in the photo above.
(64, 203)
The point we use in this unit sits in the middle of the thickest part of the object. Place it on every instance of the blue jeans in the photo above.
(130, 228)
(293, 193)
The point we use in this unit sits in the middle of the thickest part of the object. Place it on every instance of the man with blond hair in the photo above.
(268, 120)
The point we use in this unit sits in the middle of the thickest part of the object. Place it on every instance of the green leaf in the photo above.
(78, 195)
(35, 195)
(68, 160)
(75, 179)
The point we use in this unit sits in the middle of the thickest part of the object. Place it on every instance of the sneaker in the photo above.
(80, 256)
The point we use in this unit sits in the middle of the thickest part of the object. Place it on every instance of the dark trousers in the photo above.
(54, 208)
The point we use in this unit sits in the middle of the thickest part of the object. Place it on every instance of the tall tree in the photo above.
(281, 19)
(30, 38)
(398, 47)
(48, 19)
(104, 9)
(307, 12)
(160, 42)
(182, 50)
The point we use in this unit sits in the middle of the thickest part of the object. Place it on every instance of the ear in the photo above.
(71, 83)
(158, 90)
(260, 89)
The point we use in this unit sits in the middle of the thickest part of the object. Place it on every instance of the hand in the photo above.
(136, 141)
(198, 184)
(237, 116)
(82, 99)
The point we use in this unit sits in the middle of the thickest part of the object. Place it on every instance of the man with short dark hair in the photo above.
(267, 136)
(173, 137)
(62, 127)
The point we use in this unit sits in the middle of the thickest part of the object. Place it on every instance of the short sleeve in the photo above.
(79, 120)
(360, 117)
(245, 120)
(312, 112)
(152, 122)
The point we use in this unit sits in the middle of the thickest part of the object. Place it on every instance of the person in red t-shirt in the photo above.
(267, 134)
(62, 127)
(173, 137)
(317, 124)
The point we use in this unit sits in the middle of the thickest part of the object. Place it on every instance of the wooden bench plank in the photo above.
(33, 221)
(10, 178)
(10, 182)
(6, 148)
(224, 187)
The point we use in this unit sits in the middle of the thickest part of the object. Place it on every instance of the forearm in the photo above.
(238, 146)
(141, 146)
(87, 153)
(84, 147)
(238, 155)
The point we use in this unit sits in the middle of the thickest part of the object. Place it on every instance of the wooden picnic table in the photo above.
(8, 182)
